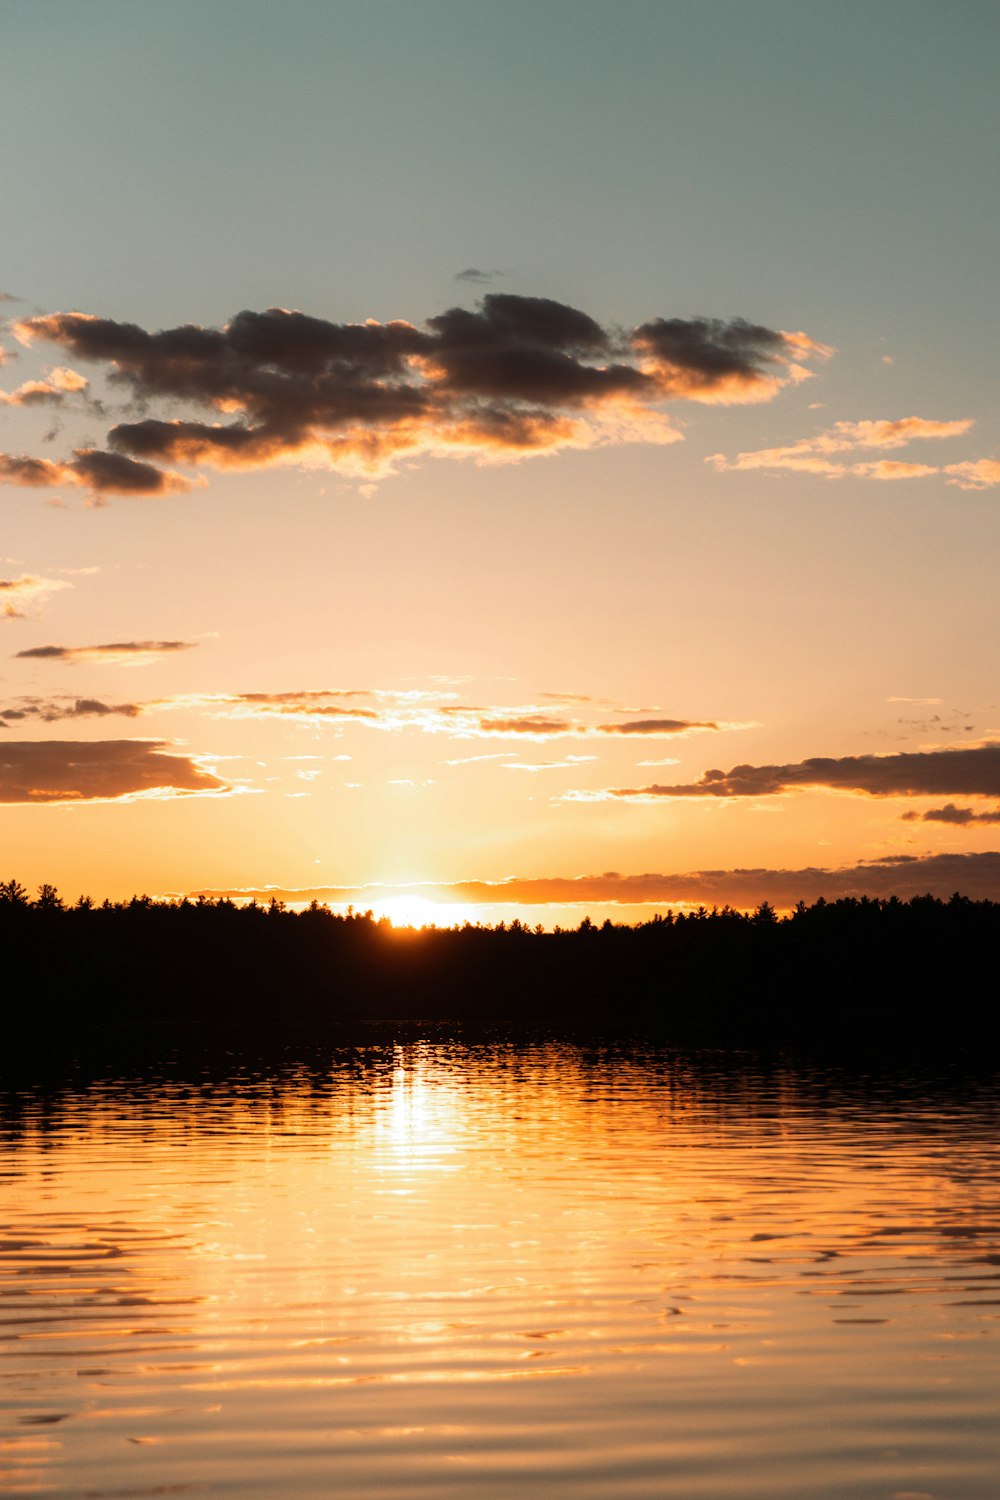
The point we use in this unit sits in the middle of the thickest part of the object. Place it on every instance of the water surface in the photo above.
(436, 1269)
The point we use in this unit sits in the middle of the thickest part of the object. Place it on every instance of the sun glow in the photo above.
(405, 911)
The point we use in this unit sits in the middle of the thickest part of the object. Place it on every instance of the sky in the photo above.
(474, 461)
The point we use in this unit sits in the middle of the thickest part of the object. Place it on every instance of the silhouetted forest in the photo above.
(848, 972)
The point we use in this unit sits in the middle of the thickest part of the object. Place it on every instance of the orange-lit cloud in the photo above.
(34, 473)
(982, 474)
(903, 875)
(515, 376)
(893, 468)
(719, 362)
(971, 772)
(812, 455)
(118, 653)
(390, 710)
(59, 384)
(26, 591)
(53, 771)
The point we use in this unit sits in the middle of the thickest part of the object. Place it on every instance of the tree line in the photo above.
(850, 972)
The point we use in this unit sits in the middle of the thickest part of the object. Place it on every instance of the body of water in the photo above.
(442, 1269)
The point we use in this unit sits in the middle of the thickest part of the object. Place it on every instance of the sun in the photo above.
(420, 911)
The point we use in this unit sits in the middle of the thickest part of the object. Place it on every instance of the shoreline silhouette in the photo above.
(147, 974)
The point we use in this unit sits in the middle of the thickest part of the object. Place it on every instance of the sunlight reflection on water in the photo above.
(431, 1268)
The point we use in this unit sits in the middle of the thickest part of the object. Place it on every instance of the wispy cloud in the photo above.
(980, 474)
(570, 763)
(512, 377)
(394, 710)
(25, 593)
(117, 653)
(54, 771)
(821, 453)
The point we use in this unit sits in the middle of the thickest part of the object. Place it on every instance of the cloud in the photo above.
(34, 473)
(513, 376)
(475, 277)
(579, 698)
(959, 817)
(99, 472)
(971, 772)
(539, 725)
(59, 384)
(384, 709)
(53, 771)
(570, 763)
(709, 359)
(812, 455)
(889, 468)
(982, 474)
(16, 593)
(120, 653)
(658, 727)
(395, 711)
(115, 474)
(53, 710)
(469, 760)
(975, 875)
(886, 434)
(313, 706)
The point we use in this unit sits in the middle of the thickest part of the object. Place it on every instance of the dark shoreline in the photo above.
(142, 978)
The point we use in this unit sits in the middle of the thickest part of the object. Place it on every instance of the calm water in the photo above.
(447, 1270)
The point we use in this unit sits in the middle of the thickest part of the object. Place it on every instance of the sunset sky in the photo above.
(477, 461)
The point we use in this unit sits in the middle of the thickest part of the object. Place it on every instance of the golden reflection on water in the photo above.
(428, 1268)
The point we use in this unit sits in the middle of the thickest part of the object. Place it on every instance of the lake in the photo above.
(431, 1267)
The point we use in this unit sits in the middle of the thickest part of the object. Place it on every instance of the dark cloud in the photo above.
(905, 876)
(657, 726)
(475, 277)
(120, 652)
(710, 359)
(973, 772)
(541, 724)
(51, 771)
(52, 710)
(113, 474)
(513, 375)
(959, 817)
(33, 473)
(94, 469)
